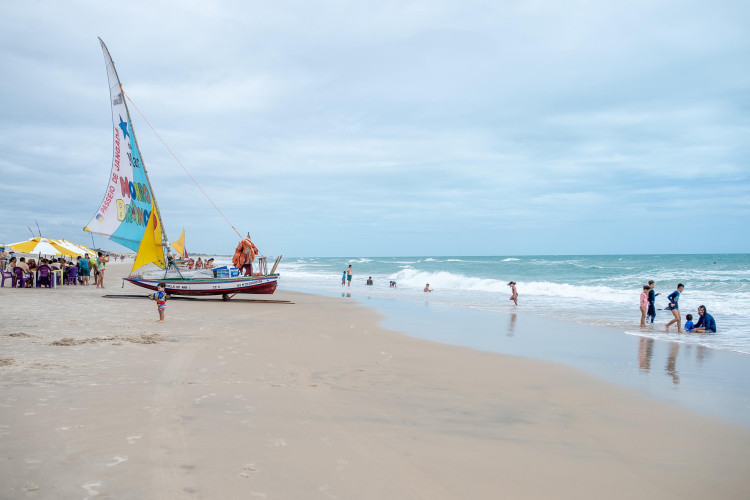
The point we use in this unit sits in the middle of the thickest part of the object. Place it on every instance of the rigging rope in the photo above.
(180, 163)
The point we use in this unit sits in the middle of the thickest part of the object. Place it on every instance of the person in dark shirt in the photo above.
(706, 323)
(674, 306)
(651, 314)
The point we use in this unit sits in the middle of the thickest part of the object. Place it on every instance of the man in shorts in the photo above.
(349, 276)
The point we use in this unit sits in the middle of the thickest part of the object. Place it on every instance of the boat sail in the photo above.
(129, 215)
(127, 205)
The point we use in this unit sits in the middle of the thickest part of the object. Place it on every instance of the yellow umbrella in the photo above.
(40, 246)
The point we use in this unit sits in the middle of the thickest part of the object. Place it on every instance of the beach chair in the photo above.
(72, 278)
(21, 277)
(57, 276)
(8, 275)
(44, 277)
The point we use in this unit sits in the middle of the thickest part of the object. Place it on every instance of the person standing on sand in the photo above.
(349, 276)
(674, 306)
(160, 296)
(644, 304)
(514, 292)
(3, 258)
(101, 261)
(83, 269)
(651, 301)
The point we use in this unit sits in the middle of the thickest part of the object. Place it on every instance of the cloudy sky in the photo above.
(392, 127)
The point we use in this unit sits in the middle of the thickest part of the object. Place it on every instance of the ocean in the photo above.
(595, 289)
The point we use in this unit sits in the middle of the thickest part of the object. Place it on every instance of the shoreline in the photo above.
(316, 399)
(711, 381)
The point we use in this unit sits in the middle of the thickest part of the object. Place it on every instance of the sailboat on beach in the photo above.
(130, 216)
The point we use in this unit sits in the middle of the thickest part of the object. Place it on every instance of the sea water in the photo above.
(602, 289)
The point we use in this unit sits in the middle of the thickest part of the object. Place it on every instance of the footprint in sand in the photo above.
(117, 460)
(247, 470)
(132, 439)
(278, 442)
(324, 490)
(91, 488)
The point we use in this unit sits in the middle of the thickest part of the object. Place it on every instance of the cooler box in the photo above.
(234, 272)
(221, 272)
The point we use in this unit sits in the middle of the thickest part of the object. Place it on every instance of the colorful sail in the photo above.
(179, 245)
(126, 208)
(151, 247)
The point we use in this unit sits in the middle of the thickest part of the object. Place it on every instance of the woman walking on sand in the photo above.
(674, 306)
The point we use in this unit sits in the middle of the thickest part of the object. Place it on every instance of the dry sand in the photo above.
(315, 400)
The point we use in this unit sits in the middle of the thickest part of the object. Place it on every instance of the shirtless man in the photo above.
(427, 288)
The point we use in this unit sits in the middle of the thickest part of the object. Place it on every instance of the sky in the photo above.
(389, 128)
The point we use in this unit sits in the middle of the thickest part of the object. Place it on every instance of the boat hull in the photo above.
(211, 286)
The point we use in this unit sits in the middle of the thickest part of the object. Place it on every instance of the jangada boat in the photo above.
(129, 215)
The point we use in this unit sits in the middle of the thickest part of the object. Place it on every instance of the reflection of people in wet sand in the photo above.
(644, 305)
(706, 323)
(671, 367)
(674, 306)
(512, 326)
(427, 288)
(513, 292)
(645, 353)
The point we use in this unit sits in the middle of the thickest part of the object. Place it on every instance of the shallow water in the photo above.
(600, 290)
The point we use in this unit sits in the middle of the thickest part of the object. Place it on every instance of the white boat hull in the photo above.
(211, 286)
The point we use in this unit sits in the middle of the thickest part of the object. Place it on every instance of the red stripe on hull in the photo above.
(265, 288)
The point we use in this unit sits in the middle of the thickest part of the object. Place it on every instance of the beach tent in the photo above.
(41, 246)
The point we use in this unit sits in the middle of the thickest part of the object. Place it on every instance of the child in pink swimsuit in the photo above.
(644, 304)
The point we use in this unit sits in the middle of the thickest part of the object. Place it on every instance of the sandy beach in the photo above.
(314, 399)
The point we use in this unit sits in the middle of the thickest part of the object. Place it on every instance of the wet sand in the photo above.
(315, 400)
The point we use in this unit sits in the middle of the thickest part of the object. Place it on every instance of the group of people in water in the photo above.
(705, 324)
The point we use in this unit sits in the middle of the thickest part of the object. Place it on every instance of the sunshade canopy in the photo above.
(40, 246)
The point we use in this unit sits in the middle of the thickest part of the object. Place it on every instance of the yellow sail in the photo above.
(179, 245)
(151, 248)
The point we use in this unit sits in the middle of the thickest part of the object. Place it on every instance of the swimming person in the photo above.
(674, 306)
(369, 281)
(644, 304)
(706, 323)
(427, 288)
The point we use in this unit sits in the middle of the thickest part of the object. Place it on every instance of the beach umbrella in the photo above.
(72, 247)
(41, 246)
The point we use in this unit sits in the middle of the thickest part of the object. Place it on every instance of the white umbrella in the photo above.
(72, 247)
(36, 246)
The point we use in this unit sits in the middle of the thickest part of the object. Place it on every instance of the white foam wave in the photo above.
(509, 259)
